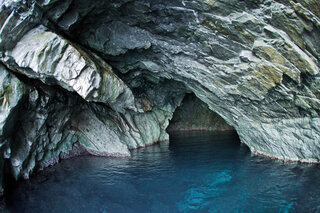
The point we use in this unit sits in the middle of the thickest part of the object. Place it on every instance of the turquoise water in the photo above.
(196, 172)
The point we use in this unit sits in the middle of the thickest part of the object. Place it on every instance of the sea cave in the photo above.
(174, 103)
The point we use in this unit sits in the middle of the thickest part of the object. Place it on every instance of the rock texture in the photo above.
(11, 95)
(107, 76)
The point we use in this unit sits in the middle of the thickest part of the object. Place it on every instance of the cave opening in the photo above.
(195, 115)
(193, 119)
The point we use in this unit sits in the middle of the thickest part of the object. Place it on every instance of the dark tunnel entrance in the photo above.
(195, 127)
(195, 115)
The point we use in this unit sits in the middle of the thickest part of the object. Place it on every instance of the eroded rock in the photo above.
(12, 92)
(46, 56)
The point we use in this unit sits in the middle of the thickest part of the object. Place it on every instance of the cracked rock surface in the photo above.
(103, 77)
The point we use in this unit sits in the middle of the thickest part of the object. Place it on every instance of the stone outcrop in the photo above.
(106, 76)
(12, 92)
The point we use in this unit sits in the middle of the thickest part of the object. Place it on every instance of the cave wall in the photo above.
(108, 75)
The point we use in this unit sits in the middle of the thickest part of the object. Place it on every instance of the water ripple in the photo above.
(193, 173)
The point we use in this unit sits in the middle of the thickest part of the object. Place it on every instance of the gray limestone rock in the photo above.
(12, 92)
(46, 56)
(57, 120)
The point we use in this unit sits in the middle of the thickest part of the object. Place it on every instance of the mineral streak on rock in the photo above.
(103, 77)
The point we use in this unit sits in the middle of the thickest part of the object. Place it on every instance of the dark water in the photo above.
(194, 173)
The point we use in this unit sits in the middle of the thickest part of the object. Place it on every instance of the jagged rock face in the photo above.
(113, 73)
(46, 56)
(255, 63)
(43, 124)
(11, 94)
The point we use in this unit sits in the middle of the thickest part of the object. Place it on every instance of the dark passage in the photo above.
(195, 115)
(195, 172)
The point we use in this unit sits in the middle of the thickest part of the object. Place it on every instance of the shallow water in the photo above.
(196, 172)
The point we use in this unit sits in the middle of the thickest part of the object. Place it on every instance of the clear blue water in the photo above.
(196, 172)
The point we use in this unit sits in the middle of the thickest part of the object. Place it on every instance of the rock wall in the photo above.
(108, 75)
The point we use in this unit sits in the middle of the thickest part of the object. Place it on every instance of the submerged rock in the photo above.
(108, 75)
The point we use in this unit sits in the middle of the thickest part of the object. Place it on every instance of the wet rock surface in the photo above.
(109, 75)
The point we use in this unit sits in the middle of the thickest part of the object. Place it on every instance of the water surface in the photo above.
(198, 172)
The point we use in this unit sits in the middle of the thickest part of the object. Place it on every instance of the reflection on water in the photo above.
(198, 172)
